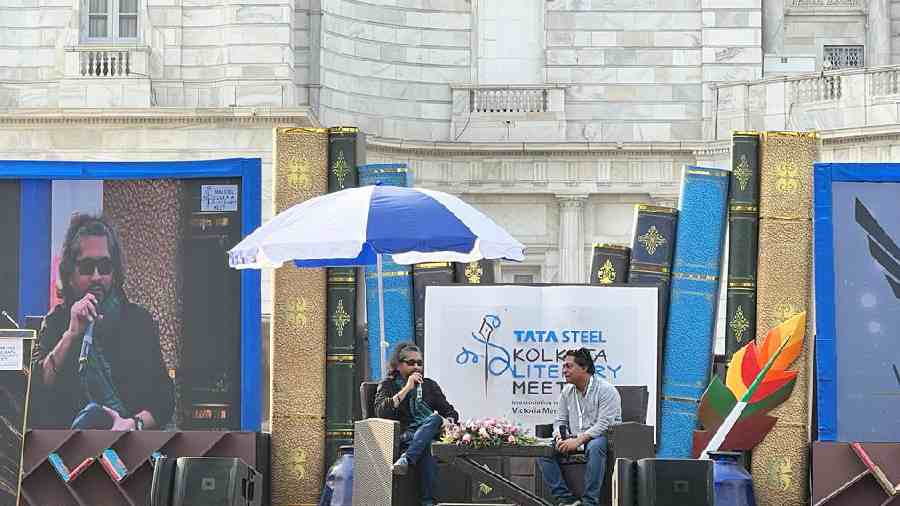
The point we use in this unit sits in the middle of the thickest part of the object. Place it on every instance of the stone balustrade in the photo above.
(850, 98)
(100, 62)
(488, 100)
(508, 113)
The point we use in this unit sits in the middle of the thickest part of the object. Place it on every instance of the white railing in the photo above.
(817, 89)
(508, 100)
(92, 61)
(824, 3)
(885, 82)
(105, 63)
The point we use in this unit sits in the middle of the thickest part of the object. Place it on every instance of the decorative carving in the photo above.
(743, 173)
(739, 324)
(788, 178)
(298, 173)
(298, 463)
(652, 240)
(607, 273)
(474, 272)
(786, 310)
(782, 473)
(298, 312)
(340, 318)
(340, 169)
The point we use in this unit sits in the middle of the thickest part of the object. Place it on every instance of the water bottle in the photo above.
(734, 485)
(419, 392)
(340, 479)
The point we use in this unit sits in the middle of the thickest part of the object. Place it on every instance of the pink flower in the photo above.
(467, 438)
(511, 439)
(490, 422)
(514, 430)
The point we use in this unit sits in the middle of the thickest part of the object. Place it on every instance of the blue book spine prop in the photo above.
(694, 298)
(398, 288)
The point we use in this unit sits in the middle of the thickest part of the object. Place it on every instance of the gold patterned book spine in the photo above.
(299, 327)
(780, 462)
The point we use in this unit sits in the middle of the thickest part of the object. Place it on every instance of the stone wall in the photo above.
(203, 53)
(387, 68)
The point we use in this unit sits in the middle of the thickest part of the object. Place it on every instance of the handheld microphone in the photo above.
(10, 318)
(86, 342)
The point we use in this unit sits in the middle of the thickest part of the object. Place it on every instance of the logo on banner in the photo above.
(531, 362)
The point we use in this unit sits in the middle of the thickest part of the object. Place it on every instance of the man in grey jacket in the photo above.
(588, 405)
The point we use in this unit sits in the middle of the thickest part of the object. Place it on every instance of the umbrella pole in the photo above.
(382, 340)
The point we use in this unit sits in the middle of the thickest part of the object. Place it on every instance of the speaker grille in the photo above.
(373, 453)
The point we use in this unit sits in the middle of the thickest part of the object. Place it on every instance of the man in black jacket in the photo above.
(418, 403)
(118, 381)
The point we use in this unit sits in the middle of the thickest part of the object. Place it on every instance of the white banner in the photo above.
(498, 350)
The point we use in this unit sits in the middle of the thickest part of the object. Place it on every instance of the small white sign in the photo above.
(11, 354)
(218, 197)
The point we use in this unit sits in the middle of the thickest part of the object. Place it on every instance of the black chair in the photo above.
(631, 439)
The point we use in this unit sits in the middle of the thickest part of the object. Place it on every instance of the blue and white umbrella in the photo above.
(358, 225)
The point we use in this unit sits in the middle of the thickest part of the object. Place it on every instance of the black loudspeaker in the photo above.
(675, 482)
(195, 481)
(162, 484)
(624, 486)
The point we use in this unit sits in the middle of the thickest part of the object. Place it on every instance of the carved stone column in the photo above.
(878, 33)
(571, 238)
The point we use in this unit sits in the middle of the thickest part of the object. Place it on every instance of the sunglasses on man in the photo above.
(412, 362)
(87, 266)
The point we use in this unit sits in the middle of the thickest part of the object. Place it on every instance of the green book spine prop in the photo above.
(474, 273)
(652, 247)
(425, 275)
(743, 240)
(609, 264)
(346, 150)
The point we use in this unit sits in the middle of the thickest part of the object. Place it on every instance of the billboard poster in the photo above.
(866, 309)
(143, 328)
(497, 351)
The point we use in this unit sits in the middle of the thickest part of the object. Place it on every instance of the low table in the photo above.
(462, 457)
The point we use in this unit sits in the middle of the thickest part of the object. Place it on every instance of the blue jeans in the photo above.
(595, 452)
(418, 452)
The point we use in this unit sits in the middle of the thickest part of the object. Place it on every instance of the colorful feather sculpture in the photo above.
(733, 414)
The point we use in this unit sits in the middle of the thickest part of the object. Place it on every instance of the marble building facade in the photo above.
(553, 116)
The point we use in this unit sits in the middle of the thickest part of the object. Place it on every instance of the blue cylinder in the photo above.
(734, 486)
(340, 478)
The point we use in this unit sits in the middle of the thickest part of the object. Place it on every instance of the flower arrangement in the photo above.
(486, 433)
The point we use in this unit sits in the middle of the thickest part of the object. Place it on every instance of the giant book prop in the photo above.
(743, 234)
(609, 264)
(299, 330)
(425, 275)
(398, 290)
(346, 150)
(653, 243)
(785, 238)
(687, 355)
(480, 272)
(857, 301)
